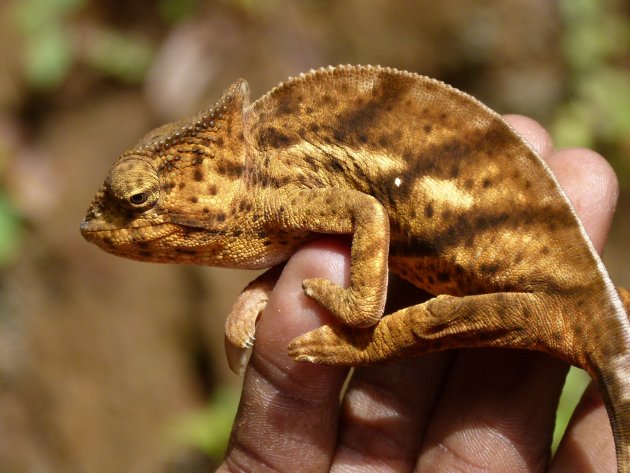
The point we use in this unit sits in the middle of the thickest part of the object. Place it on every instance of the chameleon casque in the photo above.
(432, 185)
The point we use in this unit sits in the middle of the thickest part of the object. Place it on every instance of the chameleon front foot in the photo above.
(240, 326)
(351, 307)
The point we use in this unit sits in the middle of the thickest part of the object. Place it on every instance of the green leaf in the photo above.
(574, 387)
(209, 429)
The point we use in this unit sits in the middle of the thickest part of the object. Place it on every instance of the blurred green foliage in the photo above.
(49, 51)
(172, 11)
(209, 429)
(596, 113)
(10, 231)
(119, 55)
(54, 44)
(10, 222)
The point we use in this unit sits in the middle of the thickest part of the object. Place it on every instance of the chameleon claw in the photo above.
(237, 357)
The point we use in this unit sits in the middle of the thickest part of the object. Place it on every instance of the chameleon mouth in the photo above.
(104, 234)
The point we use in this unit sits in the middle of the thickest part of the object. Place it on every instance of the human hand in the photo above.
(468, 410)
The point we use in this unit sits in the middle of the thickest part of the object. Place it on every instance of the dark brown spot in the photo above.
(335, 166)
(443, 276)
(212, 189)
(206, 210)
(185, 251)
(220, 217)
(428, 211)
(194, 199)
(287, 105)
(486, 183)
(339, 136)
(198, 175)
(454, 170)
(275, 138)
(311, 162)
(328, 99)
(489, 268)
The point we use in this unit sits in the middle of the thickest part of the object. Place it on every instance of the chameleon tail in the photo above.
(613, 378)
(606, 357)
(615, 390)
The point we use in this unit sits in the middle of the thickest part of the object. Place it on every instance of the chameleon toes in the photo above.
(345, 304)
(327, 345)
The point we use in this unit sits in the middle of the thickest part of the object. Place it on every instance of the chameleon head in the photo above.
(142, 213)
(171, 198)
(125, 216)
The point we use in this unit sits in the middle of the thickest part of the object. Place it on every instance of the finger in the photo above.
(532, 132)
(498, 407)
(384, 414)
(587, 446)
(386, 407)
(592, 188)
(287, 418)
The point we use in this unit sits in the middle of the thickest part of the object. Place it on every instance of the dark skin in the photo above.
(464, 411)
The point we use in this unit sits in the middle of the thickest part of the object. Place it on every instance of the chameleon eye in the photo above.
(139, 199)
(134, 184)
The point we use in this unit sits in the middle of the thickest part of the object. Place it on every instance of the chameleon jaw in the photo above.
(134, 241)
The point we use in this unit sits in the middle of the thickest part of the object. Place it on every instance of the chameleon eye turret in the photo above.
(134, 183)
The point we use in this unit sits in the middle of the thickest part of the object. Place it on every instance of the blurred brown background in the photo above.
(108, 365)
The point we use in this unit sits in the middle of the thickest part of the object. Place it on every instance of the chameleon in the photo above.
(429, 183)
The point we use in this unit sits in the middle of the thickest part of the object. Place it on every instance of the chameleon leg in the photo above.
(343, 211)
(514, 320)
(240, 325)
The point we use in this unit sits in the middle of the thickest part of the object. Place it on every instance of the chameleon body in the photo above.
(431, 184)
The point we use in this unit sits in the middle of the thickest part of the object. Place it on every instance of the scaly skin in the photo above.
(431, 185)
